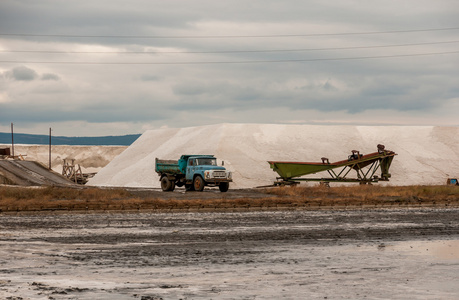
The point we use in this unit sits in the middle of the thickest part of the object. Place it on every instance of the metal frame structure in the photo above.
(366, 167)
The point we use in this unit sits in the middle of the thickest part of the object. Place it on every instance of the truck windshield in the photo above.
(206, 161)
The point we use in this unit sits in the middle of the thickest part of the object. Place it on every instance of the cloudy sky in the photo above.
(100, 67)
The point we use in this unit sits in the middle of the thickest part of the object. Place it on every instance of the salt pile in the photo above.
(90, 158)
(427, 155)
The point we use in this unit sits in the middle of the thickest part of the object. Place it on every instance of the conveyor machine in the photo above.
(366, 167)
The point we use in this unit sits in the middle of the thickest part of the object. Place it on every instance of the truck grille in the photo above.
(219, 174)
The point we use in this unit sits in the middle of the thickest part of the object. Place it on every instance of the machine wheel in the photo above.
(166, 184)
(223, 187)
(198, 184)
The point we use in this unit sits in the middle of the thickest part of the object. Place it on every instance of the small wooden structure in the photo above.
(74, 173)
(5, 153)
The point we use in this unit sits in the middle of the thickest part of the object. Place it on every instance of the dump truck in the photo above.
(192, 171)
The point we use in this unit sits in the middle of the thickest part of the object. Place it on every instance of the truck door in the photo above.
(190, 169)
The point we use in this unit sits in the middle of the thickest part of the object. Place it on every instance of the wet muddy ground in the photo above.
(298, 254)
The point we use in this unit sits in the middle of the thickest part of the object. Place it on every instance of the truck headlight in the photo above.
(207, 174)
(229, 175)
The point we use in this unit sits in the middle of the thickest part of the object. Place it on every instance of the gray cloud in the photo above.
(91, 113)
(178, 83)
(49, 76)
(21, 73)
(191, 89)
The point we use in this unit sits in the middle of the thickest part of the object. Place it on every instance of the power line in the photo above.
(232, 62)
(224, 36)
(225, 51)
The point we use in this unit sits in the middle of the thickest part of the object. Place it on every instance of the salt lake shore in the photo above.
(396, 253)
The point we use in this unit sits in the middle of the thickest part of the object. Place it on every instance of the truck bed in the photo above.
(167, 166)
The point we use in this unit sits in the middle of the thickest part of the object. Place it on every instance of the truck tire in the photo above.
(198, 184)
(166, 184)
(223, 187)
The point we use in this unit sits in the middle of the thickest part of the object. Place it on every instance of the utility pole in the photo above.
(50, 148)
(12, 140)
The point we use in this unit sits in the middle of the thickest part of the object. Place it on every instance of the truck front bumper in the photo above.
(216, 181)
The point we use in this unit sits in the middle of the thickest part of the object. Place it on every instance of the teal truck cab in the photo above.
(192, 171)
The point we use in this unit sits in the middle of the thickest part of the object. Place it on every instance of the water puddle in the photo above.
(439, 249)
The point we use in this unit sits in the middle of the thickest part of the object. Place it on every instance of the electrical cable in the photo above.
(224, 36)
(226, 51)
(232, 62)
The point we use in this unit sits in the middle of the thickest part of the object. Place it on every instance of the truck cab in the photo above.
(202, 170)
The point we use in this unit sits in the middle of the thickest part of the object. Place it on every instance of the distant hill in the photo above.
(36, 139)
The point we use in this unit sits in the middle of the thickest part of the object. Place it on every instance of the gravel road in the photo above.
(298, 254)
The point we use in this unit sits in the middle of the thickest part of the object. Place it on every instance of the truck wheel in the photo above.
(166, 184)
(223, 187)
(198, 184)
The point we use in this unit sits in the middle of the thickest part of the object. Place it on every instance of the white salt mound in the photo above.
(427, 155)
(90, 158)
